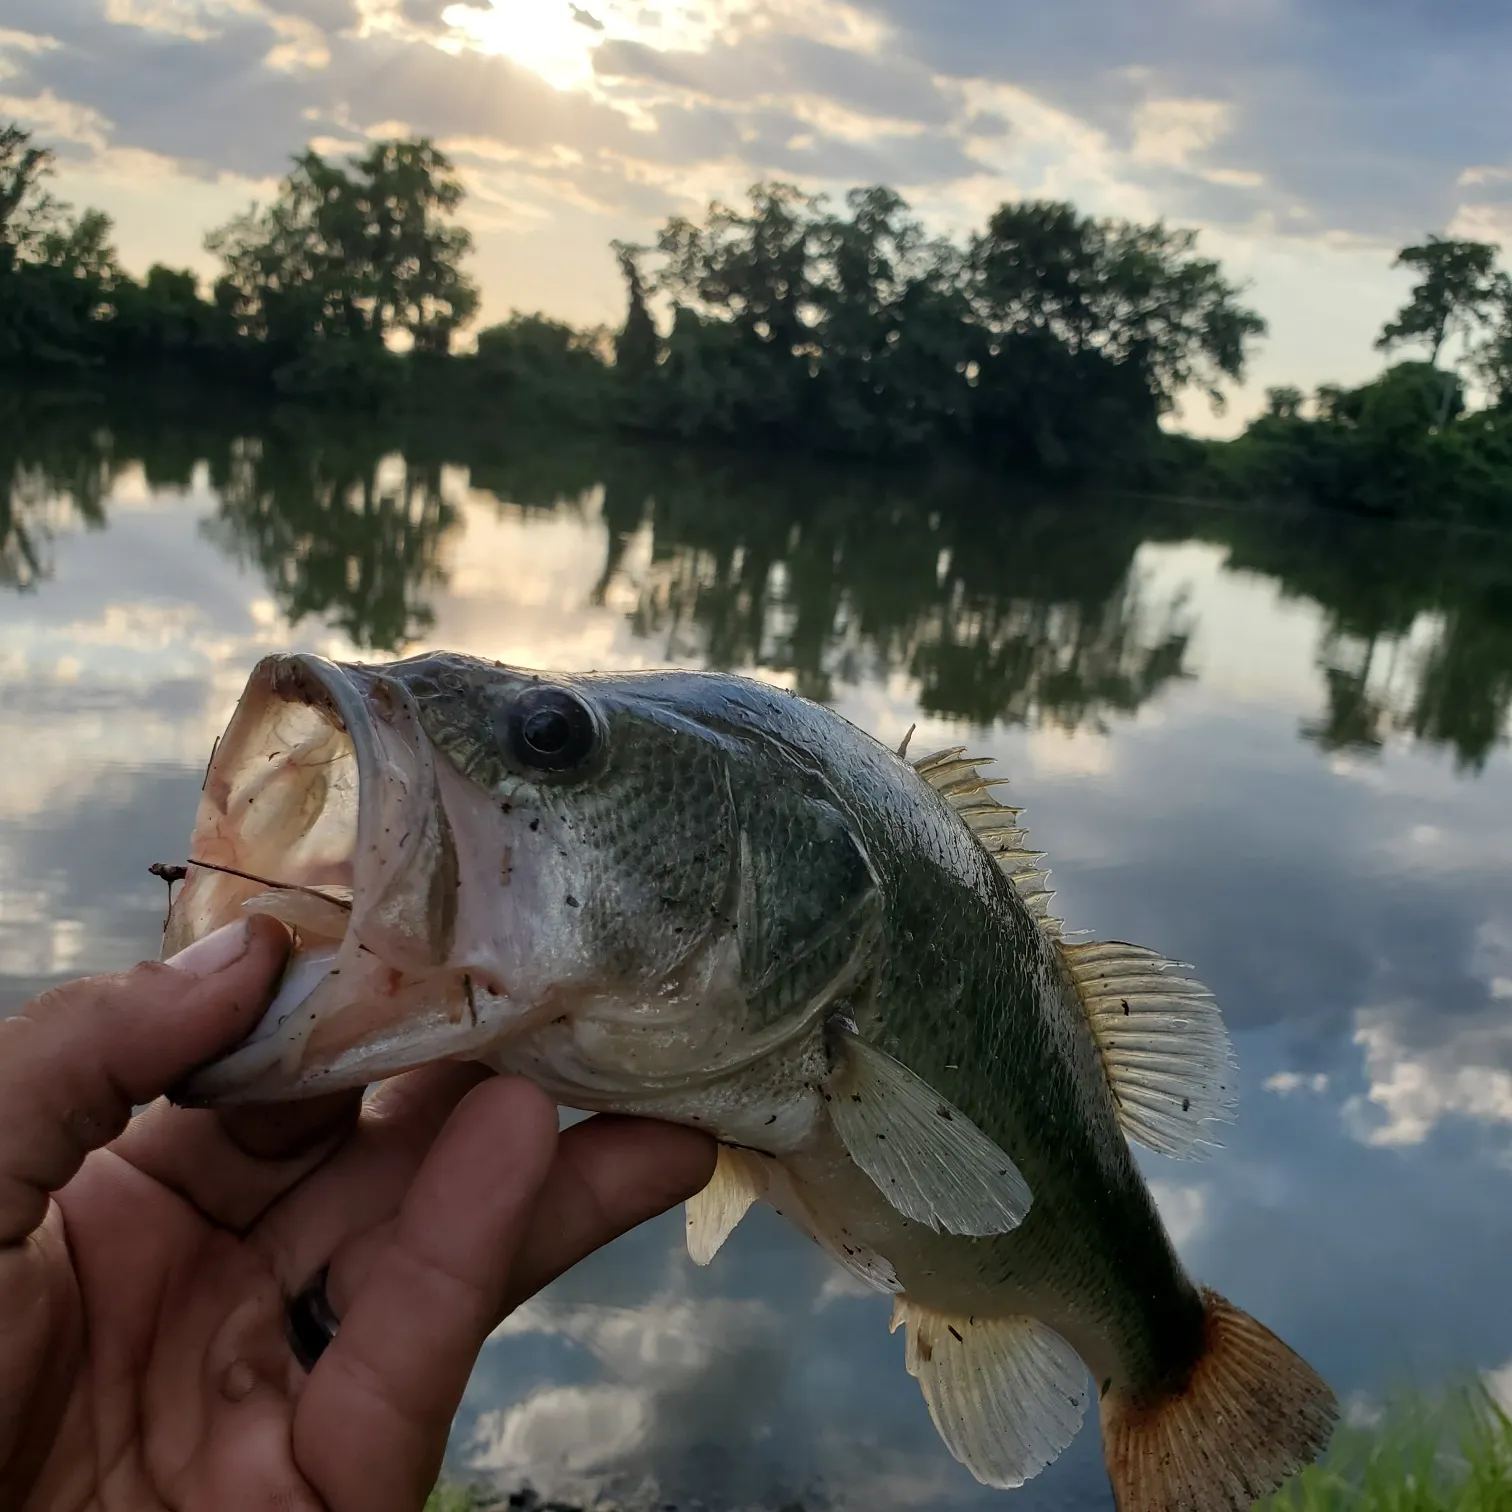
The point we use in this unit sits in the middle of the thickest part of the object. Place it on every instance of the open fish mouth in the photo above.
(323, 806)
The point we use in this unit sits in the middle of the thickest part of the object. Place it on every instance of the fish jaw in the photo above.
(324, 784)
(329, 1032)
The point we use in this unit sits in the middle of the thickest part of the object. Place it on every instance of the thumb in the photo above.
(75, 1061)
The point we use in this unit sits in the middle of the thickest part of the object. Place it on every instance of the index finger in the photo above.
(75, 1061)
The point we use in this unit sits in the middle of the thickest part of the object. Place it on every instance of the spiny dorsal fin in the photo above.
(957, 778)
(1162, 1040)
(1161, 1036)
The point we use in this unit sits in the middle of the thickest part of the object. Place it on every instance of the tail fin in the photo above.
(1251, 1414)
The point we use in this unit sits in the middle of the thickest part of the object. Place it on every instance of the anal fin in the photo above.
(739, 1179)
(1163, 1044)
(927, 1158)
(1006, 1394)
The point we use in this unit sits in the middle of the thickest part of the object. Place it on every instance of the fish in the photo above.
(697, 897)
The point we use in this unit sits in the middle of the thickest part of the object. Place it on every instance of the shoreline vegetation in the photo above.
(1048, 344)
(1449, 1453)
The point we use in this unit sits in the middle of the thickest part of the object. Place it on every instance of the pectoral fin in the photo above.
(1007, 1394)
(739, 1179)
(928, 1159)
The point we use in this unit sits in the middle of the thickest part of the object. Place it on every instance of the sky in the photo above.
(1305, 142)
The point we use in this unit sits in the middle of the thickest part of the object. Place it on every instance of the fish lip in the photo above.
(338, 693)
(257, 1069)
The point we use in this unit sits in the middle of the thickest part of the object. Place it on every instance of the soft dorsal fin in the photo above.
(1163, 1043)
(957, 778)
(1161, 1036)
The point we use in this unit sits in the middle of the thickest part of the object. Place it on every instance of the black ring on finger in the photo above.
(310, 1322)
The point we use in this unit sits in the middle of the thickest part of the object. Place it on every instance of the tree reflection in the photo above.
(339, 531)
(997, 603)
(1418, 638)
(52, 478)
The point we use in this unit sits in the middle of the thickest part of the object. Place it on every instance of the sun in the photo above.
(552, 38)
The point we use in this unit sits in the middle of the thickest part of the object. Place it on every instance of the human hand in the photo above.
(145, 1265)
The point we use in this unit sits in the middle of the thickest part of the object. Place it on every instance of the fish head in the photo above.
(593, 879)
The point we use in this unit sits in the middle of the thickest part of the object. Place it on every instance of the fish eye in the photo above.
(551, 730)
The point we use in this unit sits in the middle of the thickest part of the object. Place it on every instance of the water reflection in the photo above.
(340, 533)
(1274, 746)
(1001, 604)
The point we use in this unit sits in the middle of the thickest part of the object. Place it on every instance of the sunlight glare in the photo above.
(544, 36)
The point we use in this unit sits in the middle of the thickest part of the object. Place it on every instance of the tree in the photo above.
(1284, 402)
(1459, 287)
(1134, 295)
(747, 272)
(26, 210)
(537, 364)
(636, 346)
(892, 327)
(1493, 362)
(351, 253)
(162, 317)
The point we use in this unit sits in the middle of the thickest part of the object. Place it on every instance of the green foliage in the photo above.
(533, 364)
(1446, 1456)
(635, 347)
(1401, 445)
(1052, 338)
(315, 289)
(349, 255)
(27, 211)
(1134, 295)
(1493, 361)
(1049, 341)
(57, 271)
(163, 319)
(1458, 288)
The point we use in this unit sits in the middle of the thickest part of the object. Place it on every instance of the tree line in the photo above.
(1049, 339)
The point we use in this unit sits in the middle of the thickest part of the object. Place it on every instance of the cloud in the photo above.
(1183, 1210)
(1424, 1068)
(1284, 1083)
(1169, 132)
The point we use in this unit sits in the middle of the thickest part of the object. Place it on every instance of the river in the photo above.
(1271, 745)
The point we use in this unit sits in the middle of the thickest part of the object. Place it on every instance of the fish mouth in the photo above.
(322, 805)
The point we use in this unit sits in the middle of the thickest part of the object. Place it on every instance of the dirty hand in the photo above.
(145, 1265)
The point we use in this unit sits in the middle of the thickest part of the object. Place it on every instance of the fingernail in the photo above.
(219, 949)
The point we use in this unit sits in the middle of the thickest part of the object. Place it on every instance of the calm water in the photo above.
(1271, 747)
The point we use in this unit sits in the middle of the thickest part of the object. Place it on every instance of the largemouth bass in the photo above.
(698, 898)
